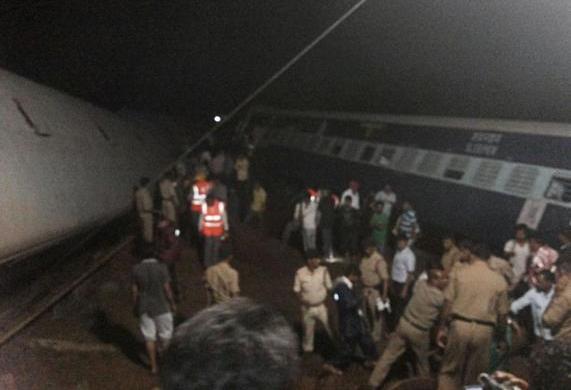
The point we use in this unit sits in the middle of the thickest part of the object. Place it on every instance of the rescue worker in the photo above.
(221, 279)
(311, 286)
(375, 279)
(144, 205)
(352, 324)
(197, 196)
(414, 327)
(476, 301)
(213, 226)
(557, 316)
(169, 197)
(451, 253)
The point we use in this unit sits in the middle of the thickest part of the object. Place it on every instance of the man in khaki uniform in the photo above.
(502, 267)
(476, 301)
(311, 285)
(451, 253)
(557, 316)
(375, 276)
(414, 327)
(144, 204)
(221, 279)
(169, 197)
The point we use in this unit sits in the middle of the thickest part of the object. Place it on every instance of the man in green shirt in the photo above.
(379, 224)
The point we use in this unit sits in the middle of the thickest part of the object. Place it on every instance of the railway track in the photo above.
(31, 286)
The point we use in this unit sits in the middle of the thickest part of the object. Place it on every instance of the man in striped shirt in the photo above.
(407, 223)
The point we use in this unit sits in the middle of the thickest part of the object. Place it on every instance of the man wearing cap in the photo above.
(311, 285)
(222, 281)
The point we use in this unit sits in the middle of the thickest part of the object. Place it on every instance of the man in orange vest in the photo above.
(197, 196)
(213, 225)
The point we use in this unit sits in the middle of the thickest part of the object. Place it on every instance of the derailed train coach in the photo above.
(68, 165)
(472, 177)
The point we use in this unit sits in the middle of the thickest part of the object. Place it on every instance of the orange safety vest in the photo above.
(199, 191)
(213, 219)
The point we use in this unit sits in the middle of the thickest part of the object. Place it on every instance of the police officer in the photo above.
(375, 278)
(557, 316)
(311, 286)
(414, 327)
(476, 302)
(213, 225)
(451, 253)
(144, 204)
(221, 279)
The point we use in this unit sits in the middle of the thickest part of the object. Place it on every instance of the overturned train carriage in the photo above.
(68, 165)
(473, 177)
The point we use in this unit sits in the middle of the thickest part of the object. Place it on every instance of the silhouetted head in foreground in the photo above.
(234, 345)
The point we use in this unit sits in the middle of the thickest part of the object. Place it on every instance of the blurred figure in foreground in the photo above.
(235, 345)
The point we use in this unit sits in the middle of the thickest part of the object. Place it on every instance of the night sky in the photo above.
(503, 59)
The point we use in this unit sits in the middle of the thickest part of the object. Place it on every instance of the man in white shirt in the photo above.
(538, 298)
(312, 284)
(517, 251)
(306, 212)
(353, 192)
(402, 277)
(388, 198)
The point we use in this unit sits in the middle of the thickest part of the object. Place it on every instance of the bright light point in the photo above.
(217, 118)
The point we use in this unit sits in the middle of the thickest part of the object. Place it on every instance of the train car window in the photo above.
(430, 163)
(387, 155)
(487, 174)
(456, 168)
(337, 147)
(312, 143)
(29, 120)
(324, 145)
(367, 153)
(522, 179)
(407, 159)
(352, 150)
(559, 189)
(345, 129)
(306, 125)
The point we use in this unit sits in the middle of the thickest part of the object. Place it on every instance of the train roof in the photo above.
(554, 129)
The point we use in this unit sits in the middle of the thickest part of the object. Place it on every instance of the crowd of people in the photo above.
(462, 308)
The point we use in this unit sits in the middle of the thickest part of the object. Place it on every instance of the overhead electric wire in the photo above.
(269, 81)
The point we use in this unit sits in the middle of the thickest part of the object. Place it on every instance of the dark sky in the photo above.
(505, 58)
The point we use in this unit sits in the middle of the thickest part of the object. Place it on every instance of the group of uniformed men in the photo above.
(465, 299)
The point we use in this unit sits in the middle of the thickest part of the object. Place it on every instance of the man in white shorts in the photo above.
(154, 301)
